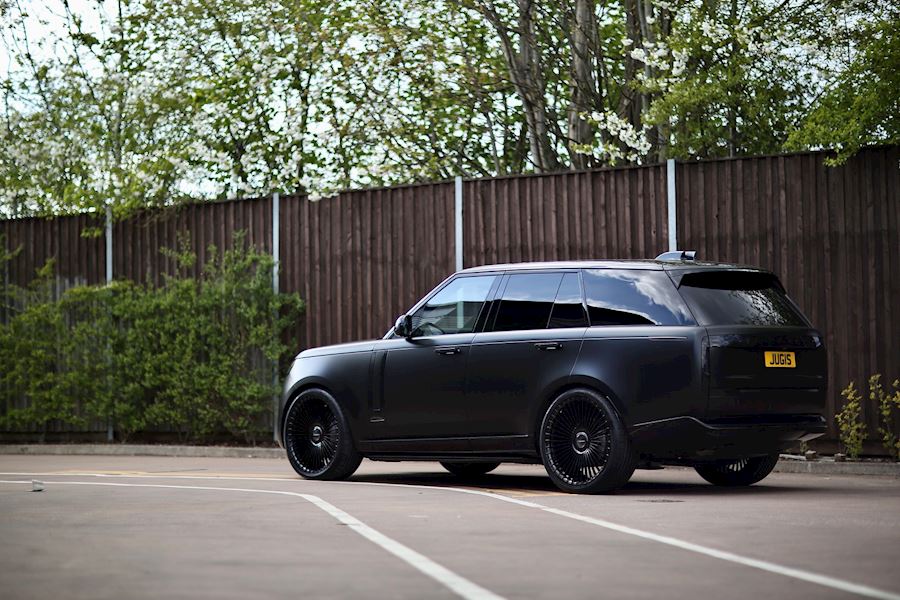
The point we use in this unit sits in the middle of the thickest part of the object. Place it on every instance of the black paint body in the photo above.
(686, 391)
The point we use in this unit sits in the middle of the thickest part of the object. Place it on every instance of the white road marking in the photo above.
(809, 576)
(456, 583)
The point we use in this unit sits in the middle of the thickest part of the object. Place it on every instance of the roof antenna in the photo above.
(678, 255)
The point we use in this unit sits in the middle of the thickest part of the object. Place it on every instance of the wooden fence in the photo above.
(363, 257)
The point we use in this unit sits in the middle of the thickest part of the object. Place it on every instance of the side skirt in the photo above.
(455, 457)
(495, 445)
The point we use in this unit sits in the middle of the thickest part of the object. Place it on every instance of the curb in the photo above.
(785, 465)
(829, 467)
(141, 450)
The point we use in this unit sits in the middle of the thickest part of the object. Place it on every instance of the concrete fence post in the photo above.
(671, 206)
(109, 245)
(458, 219)
(110, 426)
(276, 255)
(276, 238)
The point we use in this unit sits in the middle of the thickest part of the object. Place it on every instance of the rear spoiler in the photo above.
(678, 255)
(678, 275)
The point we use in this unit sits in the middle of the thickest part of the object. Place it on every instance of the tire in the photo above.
(734, 473)
(469, 470)
(584, 445)
(317, 437)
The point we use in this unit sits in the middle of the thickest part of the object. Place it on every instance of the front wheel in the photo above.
(468, 470)
(745, 471)
(317, 437)
(584, 445)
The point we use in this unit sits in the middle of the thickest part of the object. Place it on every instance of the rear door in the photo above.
(643, 344)
(531, 343)
(765, 360)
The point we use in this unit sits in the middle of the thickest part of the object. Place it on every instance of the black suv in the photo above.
(590, 367)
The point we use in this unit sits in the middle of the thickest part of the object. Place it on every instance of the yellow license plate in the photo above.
(781, 360)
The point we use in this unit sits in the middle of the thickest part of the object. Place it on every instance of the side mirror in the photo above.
(403, 326)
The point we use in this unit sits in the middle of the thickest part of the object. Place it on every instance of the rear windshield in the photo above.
(739, 298)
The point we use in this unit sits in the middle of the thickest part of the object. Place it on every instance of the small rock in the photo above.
(840, 457)
(811, 455)
(37, 486)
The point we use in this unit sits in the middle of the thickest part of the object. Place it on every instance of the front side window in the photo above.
(739, 298)
(633, 297)
(455, 308)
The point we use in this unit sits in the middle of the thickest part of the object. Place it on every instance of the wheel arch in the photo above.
(296, 390)
(572, 383)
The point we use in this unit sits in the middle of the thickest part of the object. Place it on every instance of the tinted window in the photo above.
(623, 297)
(567, 310)
(455, 308)
(527, 301)
(739, 298)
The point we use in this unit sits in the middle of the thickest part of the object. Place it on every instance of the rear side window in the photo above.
(567, 309)
(739, 298)
(633, 297)
(527, 301)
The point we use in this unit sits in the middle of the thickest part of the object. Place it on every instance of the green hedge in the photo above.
(193, 356)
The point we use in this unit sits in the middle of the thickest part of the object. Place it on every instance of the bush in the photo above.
(30, 355)
(887, 404)
(852, 429)
(194, 356)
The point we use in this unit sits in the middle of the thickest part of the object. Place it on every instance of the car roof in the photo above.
(652, 265)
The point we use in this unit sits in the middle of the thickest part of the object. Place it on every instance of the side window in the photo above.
(567, 309)
(455, 308)
(527, 301)
(633, 297)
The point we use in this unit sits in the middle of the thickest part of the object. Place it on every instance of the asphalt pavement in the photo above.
(142, 527)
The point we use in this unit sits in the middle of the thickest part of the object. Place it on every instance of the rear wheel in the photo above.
(584, 445)
(745, 471)
(317, 437)
(470, 469)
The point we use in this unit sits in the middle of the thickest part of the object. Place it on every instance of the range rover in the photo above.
(591, 368)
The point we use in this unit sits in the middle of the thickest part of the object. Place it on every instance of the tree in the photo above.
(728, 84)
(86, 124)
(860, 104)
(259, 77)
(428, 95)
(139, 103)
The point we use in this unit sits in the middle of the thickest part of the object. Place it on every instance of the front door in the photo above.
(423, 377)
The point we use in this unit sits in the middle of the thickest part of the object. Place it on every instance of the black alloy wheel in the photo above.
(584, 445)
(470, 469)
(734, 473)
(317, 437)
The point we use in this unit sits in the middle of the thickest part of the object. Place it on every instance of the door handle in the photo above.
(448, 351)
(548, 346)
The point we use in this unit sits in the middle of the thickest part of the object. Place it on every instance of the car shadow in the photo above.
(504, 483)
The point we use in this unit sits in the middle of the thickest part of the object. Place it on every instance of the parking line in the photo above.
(808, 576)
(456, 583)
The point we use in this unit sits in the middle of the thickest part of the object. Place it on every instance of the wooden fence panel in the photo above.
(363, 257)
(138, 242)
(608, 213)
(79, 259)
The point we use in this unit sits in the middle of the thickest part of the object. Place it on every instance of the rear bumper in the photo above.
(689, 438)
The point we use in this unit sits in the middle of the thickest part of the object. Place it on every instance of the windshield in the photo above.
(739, 298)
